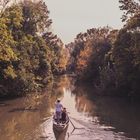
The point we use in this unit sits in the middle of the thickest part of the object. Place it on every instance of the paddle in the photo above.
(73, 124)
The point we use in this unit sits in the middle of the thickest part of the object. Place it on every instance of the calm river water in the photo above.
(95, 118)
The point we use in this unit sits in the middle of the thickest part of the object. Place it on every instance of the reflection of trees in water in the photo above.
(22, 118)
(83, 102)
(58, 89)
(24, 115)
(84, 105)
(116, 112)
(120, 114)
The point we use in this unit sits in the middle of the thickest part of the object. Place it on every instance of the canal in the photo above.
(94, 118)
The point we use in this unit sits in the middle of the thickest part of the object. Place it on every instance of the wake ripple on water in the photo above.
(85, 130)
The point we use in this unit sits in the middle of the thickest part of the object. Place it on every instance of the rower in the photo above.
(58, 109)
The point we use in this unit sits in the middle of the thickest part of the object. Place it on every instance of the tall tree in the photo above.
(130, 8)
(25, 56)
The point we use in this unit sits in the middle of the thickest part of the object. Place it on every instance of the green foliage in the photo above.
(6, 40)
(89, 52)
(36, 17)
(110, 59)
(26, 58)
(126, 54)
(59, 56)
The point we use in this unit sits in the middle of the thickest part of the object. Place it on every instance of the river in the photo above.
(95, 118)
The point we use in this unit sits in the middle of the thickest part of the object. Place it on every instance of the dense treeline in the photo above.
(108, 58)
(30, 54)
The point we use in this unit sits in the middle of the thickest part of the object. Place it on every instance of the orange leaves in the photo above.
(84, 57)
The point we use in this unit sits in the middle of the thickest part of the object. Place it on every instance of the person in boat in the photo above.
(64, 115)
(58, 110)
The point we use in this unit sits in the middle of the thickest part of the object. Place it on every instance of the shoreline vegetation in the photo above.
(108, 58)
(31, 55)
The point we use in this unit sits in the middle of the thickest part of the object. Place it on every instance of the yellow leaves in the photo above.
(7, 54)
(6, 41)
(2, 23)
(14, 16)
(9, 72)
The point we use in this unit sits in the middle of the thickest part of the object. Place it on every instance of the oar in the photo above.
(72, 124)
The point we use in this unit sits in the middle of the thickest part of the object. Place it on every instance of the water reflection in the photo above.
(113, 114)
(21, 117)
(102, 118)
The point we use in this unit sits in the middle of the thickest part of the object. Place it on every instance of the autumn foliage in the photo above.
(110, 59)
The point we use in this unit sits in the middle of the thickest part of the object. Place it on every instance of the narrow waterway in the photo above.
(95, 118)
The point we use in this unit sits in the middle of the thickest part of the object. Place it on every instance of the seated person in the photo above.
(63, 115)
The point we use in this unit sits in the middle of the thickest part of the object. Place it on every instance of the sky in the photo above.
(70, 17)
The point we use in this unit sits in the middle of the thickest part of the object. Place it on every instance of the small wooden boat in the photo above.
(61, 126)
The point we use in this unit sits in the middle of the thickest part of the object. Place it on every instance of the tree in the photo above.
(36, 17)
(89, 52)
(25, 58)
(131, 8)
(126, 51)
